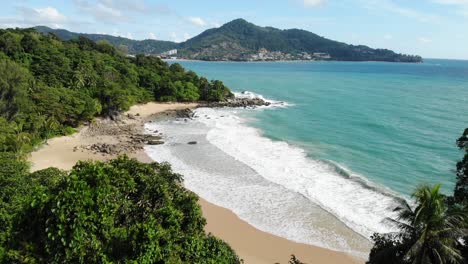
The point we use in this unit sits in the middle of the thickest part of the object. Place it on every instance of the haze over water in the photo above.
(350, 141)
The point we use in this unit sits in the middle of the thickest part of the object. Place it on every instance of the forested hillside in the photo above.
(121, 211)
(240, 40)
(147, 46)
(48, 86)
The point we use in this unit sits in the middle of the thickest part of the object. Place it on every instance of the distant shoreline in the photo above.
(289, 61)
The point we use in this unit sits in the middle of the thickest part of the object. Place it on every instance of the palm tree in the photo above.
(429, 233)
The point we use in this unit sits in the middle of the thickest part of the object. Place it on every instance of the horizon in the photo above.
(432, 29)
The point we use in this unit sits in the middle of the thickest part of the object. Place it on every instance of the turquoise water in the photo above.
(392, 124)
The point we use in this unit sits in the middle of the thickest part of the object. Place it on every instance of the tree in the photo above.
(461, 188)
(460, 195)
(14, 86)
(50, 126)
(121, 211)
(429, 234)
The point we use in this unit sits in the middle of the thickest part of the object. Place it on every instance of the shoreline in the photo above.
(251, 244)
(283, 61)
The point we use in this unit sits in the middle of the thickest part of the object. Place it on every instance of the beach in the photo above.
(251, 244)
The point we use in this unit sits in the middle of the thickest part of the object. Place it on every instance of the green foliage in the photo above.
(14, 84)
(120, 211)
(147, 46)
(48, 86)
(461, 188)
(429, 233)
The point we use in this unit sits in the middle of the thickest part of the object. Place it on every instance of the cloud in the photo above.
(176, 38)
(27, 17)
(460, 5)
(452, 2)
(313, 3)
(392, 7)
(197, 21)
(151, 35)
(41, 16)
(424, 40)
(116, 11)
(388, 36)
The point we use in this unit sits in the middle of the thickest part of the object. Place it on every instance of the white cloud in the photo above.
(28, 16)
(460, 5)
(392, 7)
(176, 38)
(452, 2)
(424, 40)
(313, 3)
(48, 16)
(116, 11)
(197, 21)
(151, 35)
(388, 36)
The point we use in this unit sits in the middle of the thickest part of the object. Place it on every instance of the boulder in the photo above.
(155, 142)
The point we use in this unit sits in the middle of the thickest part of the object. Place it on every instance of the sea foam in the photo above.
(273, 185)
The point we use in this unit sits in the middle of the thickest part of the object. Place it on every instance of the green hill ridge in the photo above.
(240, 40)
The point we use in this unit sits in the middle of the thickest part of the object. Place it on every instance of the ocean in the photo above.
(340, 146)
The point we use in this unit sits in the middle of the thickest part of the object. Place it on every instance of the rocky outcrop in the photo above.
(120, 137)
(239, 102)
(184, 113)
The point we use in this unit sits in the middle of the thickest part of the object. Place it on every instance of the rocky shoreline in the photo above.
(237, 102)
(125, 130)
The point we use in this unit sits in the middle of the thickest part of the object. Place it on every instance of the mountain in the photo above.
(240, 40)
(147, 46)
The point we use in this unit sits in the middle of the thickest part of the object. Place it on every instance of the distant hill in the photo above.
(147, 46)
(240, 40)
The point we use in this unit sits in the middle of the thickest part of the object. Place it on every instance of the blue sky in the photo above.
(431, 28)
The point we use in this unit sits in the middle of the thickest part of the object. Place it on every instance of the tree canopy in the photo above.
(48, 86)
(120, 211)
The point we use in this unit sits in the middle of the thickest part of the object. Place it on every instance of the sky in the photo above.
(430, 28)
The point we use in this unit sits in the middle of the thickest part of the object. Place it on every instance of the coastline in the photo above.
(251, 244)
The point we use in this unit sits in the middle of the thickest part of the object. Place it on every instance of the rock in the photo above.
(152, 137)
(239, 102)
(155, 142)
(184, 113)
(192, 143)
